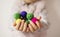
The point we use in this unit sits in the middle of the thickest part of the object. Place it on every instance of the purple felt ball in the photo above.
(23, 14)
(34, 20)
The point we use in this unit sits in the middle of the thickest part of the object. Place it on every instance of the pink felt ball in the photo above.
(34, 20)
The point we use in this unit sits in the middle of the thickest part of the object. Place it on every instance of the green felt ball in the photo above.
(17, 16)
(29, 16)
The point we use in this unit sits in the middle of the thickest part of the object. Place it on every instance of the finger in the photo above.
(39, 17)
(27, 29)
(24, 27)
(21, 26)
(18, 22)
(14, 24)
(33, 25)
(17, 26)
(38, 25)
(31, 28)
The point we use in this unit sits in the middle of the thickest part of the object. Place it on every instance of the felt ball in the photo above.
(23, 14)
(29, 16)
(18, 21)
(17, 16)
(34, 20)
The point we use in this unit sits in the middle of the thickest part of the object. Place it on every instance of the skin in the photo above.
(22, 26)
(29, 1)
(31, 28)
(38, 23)
(14, 24)
(33, 25)
(27, 29)
(17, 26)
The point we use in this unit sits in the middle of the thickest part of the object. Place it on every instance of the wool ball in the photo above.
(17, 16)
(29, 16)
(18, 21)
(23, 14)
(34, 20)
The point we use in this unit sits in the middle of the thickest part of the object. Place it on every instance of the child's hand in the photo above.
(22, 26)
(34, 26)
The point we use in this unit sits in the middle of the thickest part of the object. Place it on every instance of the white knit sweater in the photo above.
(37, 9)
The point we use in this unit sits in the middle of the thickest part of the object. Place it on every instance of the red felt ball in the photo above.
(34, 20)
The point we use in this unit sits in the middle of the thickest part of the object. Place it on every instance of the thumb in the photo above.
(39, 17)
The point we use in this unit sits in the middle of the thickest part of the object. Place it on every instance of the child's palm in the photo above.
(24, 27)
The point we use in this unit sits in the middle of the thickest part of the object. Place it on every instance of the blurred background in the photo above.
(53, 8)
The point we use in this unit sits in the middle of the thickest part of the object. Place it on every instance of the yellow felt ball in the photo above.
(18, 21)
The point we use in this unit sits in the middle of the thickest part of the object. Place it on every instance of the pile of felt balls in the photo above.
(26, 16)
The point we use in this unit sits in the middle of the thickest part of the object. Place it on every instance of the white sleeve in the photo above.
(44, 20)
(39, 7)
(40, 11)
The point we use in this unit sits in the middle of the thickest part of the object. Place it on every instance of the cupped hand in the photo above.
(24, 27)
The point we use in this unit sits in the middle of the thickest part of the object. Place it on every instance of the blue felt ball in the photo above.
(23, 14)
